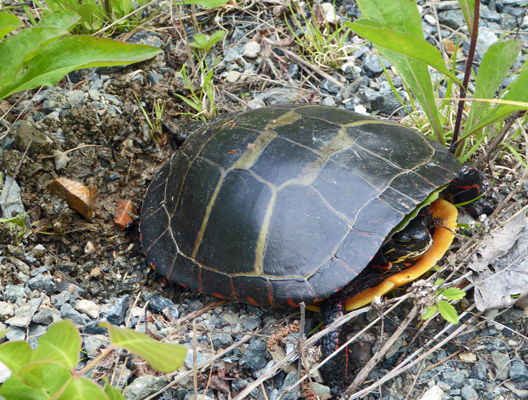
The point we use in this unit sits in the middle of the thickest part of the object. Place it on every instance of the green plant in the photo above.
(321, 41)
(50, 371)
(158, 109)
(44, 54)
(96, 14)
(395, 28)
(447, 311)
(203, 99)
(17, 222)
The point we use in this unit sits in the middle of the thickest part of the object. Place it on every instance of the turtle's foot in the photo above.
(337, 372)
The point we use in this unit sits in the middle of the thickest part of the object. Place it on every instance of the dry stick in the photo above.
(308, 65)
(404, 367)
(380, 353)
(195, 369)
(484, 159)
(338, 322)
(469, 63)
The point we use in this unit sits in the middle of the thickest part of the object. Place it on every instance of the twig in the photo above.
(381, 352)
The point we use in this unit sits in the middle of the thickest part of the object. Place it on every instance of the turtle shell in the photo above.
(285, 204)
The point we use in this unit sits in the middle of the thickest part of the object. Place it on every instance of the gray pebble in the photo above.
(14, 292)
(93, 343)
(518, 372)
(144, 386)
(455, 379)
(502, 364)
(43, 283)
(469, 393)
(117, 314)
(255, 355)
(69, 313)
(159, 304)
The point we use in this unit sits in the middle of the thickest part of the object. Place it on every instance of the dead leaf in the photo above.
(500, 268)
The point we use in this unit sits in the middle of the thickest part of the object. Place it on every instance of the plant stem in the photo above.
(467, 74)
(94, 362)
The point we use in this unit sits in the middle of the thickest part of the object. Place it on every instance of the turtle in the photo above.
(288, 204)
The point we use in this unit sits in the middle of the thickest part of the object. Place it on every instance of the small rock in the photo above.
(117, 314)
(518, 372)
(125, 214)
(251, 49)
(93, 343)
(144, 386)
(154, 78)
(10, 200)
(14, 292)
(502, 365)
(372, 65)
(434, 393)
(233, 76)
(24, 314)
(47, 316)
(79, 197)
(27, 132)
(68, 312)
(255, 355)
(163, 305)
(455, 379)
(469, 393)
(43, 283)
(14, 334)
(61, 159)
(7, 310)
(189, 359)
(93, 328)
(88, 307)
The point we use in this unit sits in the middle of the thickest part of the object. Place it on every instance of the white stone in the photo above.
(435, 393)
(233, 76)
(88, 307)
(251, 49)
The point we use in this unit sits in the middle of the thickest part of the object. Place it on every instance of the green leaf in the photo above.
(205, 3)
(448, 312)
(14, 389)
(45, 374)
(454, 294)
(493, 68)
(468, 9)
(8, 23)
(112, 392)
(438, 282)
(429, 312)
(60, 344)
(82, 389)
(401, 15)
(63, 19)
(61, 57)
(401, 42)
(163, 357)
(15, 355)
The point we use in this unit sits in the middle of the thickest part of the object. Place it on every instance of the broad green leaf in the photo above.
(61, 57)
(15, 355)
(205, 3)
(112, 392)
(13, 388)
(516, 93)
(493, 68)
(448, 312)
(15, 50)
(401, 15)
(429, 312)
(454, 294)
(8, 23)
(59, 19)
(163, 357)
(468, 9)
(81, 389)
(438, 282)
(45, 374)
(60, 344)
(401, 42)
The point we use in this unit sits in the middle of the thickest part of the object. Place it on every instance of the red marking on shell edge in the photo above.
(218, 295)
(469, 187)
(292, 303)
(183, 285)
(153, 265)
(252, 301)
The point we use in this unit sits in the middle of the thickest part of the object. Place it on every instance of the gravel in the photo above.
(89, 271)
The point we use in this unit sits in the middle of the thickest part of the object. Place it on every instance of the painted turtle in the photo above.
(286, 204)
